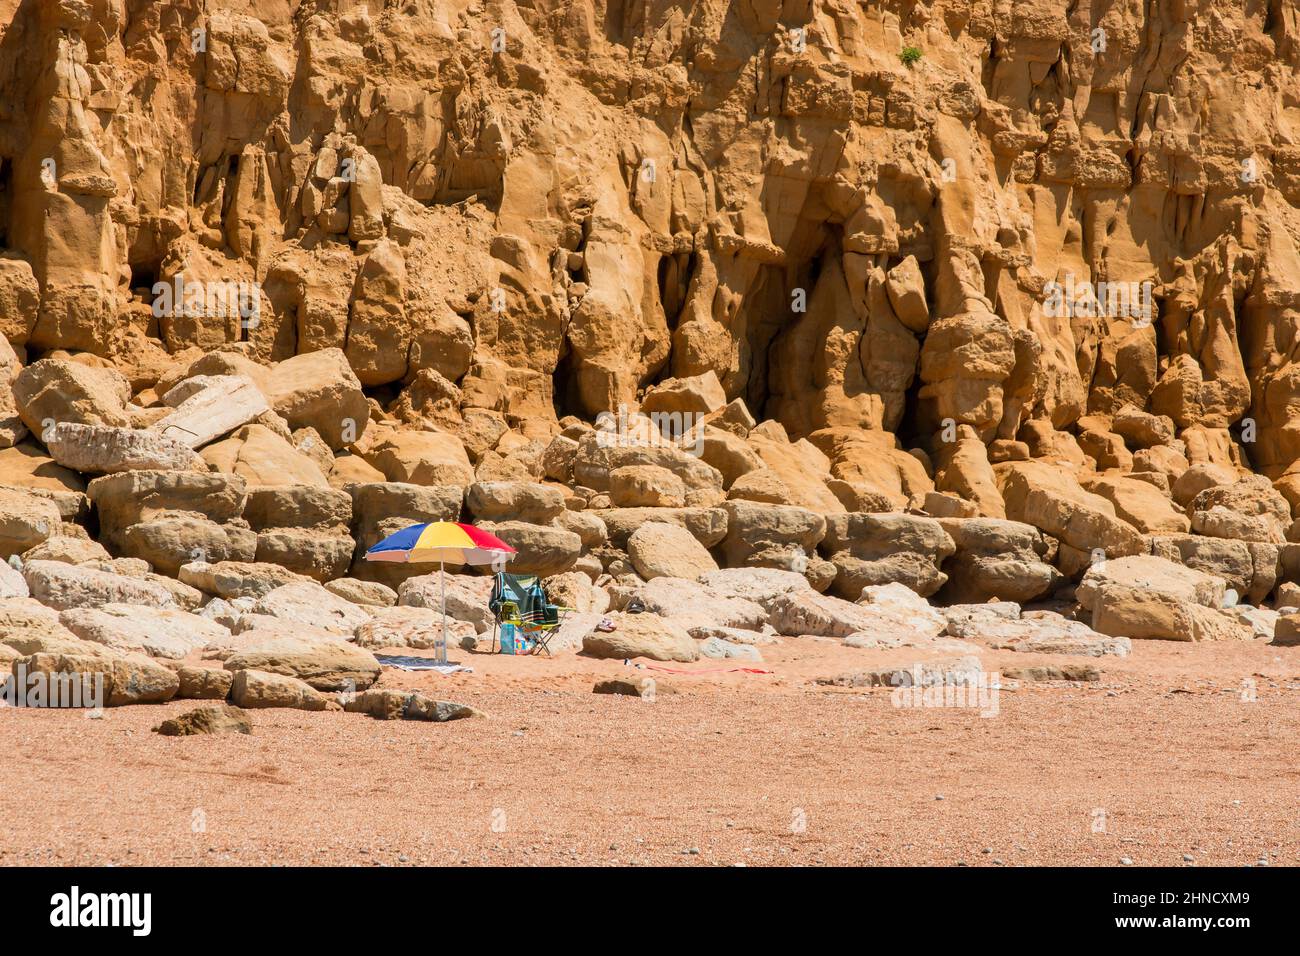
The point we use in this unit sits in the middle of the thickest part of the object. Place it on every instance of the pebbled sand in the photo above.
(730, 769)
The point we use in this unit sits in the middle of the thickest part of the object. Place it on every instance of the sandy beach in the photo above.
(1165, 756)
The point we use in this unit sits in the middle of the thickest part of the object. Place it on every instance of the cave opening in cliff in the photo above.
(564, 386)
(143, 277)
(6, 192)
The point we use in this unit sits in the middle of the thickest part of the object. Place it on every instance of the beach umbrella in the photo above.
(447, 542)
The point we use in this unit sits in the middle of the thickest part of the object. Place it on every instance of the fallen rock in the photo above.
(800, 613)
(466, 596)
(760, 585)
(707, 525)
(647, 688)
(410, 627)
(204, 683)
(207, 407)
(324, 662)
(998, 560)
(237, 579)
(63, 586)
(25, 521)
(158, 632)
(221, 719)
(871, 549)
(1286, 632)
(319, 390)
(938, 673)
(515, 500)
(715, 648)
(1047, 672)
(542, 549)
(393, 704)
(692, 606)
(1046, 632)
(310, 605)
(364, 593)
(255, 690)
(1143, 596)
(124, 678)
(104, 449)
(642, 635)
(665, 550)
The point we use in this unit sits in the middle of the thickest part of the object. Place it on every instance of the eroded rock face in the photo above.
(825, 313)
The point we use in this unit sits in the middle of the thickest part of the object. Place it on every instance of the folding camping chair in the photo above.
(519, 599)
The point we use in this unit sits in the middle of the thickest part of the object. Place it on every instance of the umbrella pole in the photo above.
(442, 645)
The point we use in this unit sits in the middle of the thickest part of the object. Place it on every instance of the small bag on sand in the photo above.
(515, 641)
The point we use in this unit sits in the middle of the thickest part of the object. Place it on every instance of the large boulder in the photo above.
(297, 506)
(364, 593)
(113, 678)
(389, 703)
(1049, 498)
(642, 635)
(697, 609)
(422, 458)
(466, 596)
(759, 534)
(405, 626)
(1043, 632)
(157, 632)
(665, 550)
(104, 449)
(319, 390)
(646, 486)
(759, 585)
(62, 586)
(1148, 597)
(171, 540)
(1002, 560)
(128, 498)
(319, 554)
(12, 584)
(255, 690)
(1251, 568)
(323, 661)
(309, 605)
(707, 525)
(171, 518)
(1140, 503)
(217, 719)
(542, 549)
(1249, 509)
(59, 390)
(26, 520)
(203, 683)
(869, 549)
(237, 579)
(260, 456)
(382, 508)
(206, 407)
(515, 501)
(878, 624)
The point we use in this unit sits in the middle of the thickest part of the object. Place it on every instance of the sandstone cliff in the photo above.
(851, 235)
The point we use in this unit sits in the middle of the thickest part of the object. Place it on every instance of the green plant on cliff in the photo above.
(909, 55)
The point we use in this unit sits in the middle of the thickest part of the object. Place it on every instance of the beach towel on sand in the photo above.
(422, 664)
